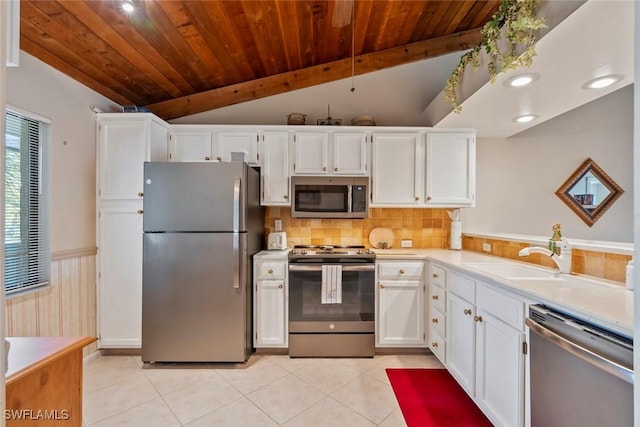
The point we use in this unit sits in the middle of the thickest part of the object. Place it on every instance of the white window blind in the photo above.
(27, 171)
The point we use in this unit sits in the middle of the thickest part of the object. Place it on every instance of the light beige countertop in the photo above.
(272, 255)
(598, 301)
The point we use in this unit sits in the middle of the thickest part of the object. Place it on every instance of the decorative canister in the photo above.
(296, 119)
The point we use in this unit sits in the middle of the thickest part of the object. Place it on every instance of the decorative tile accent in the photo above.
(427, 228)
(604, 265)
(66, 308)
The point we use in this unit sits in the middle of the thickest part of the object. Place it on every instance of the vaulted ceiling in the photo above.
(184, 57)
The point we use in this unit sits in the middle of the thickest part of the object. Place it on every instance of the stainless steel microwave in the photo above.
(329, 197)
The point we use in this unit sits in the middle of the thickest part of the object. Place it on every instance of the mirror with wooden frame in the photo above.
(589, 192)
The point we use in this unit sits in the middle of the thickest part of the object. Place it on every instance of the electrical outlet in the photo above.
(278, 225)
(486, 247)
(407, 244)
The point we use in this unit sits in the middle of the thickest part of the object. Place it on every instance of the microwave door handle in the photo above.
(349, 197)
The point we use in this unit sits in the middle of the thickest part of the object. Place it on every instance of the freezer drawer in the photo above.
(195, 298)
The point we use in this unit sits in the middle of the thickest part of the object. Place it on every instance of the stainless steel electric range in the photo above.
(331, 301)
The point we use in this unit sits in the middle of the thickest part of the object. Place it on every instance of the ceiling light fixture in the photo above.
(127, 6)
(522, 80)
(525, 118)
(602, 82)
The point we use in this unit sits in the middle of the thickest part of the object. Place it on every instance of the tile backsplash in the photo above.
(605, 265)
(426, 228)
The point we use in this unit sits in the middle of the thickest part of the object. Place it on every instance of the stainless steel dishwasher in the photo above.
(581, 375)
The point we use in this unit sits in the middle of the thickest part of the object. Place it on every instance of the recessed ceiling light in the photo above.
(127, 6)
(522, 80)
(525, 118)
(602, 82)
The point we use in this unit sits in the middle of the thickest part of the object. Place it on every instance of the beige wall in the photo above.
(68, 307)
(517, 177)
(38, 88)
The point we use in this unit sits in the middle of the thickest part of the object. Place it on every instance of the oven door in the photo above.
(355, 313)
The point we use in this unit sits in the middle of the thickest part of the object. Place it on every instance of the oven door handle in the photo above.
(318, 267)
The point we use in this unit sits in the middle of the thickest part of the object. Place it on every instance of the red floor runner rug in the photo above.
(432, 398)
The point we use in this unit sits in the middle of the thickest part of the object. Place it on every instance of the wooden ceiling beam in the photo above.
(310, 76)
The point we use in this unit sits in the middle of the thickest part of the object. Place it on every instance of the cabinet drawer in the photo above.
(437, 298)
(437, 275)
(436, 322)
(271, 270)
(501, 306)
(400, 270)
(462, 286)
(437, 345)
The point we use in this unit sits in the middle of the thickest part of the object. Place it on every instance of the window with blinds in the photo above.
(27, 256)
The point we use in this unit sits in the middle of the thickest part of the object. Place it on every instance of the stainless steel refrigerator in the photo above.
(202, 224)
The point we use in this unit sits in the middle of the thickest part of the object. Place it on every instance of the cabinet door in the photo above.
(190, 146)
(123, 147)
(500, 371)
(275, 169)
(120, 275)
(271, 319)
(310, 153)
(400, 313)
(349, 153)
(461, 336)
(450, 169)
(242, 143)
(397, 172)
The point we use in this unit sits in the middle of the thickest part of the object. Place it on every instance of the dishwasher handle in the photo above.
(585, 354)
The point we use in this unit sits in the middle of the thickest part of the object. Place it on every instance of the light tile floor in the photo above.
(267, 391)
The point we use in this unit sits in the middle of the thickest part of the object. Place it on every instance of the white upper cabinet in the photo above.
(398, 168)
(208, 143)
(349, 153)
(244, 143)
(450, 169)
(330, 153)
(125, 142)
(274, 152)
(190, 146)
(311, 153)
(422, 170)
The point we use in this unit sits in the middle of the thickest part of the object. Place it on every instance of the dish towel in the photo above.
(331, 292)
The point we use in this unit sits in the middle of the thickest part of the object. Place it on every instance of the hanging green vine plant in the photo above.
(514, 26)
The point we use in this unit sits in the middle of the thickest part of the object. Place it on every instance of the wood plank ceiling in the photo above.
(184, 57)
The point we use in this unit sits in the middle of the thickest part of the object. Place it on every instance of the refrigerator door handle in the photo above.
(236, 260)
(236, 204)
(236, 229)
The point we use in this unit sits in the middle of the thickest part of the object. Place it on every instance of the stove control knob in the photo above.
(332, 326)
(304, 252)
(294, 252)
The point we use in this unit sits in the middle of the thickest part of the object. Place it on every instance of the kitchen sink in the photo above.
(513, 271)
(534, 277)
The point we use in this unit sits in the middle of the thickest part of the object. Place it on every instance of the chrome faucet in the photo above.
(563, 261)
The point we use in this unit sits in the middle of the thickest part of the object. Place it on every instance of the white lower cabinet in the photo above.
(400, 310)
(436, 304)
(485, 342)
(270, 303)
(120, 274)
(500, 356)
(461, 341)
